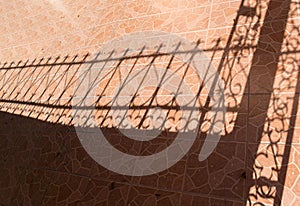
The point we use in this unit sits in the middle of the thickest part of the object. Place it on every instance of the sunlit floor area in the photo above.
(150, 103)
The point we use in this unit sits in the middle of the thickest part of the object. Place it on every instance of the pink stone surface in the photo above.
(253, 44)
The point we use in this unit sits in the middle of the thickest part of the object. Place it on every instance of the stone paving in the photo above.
(61, 56)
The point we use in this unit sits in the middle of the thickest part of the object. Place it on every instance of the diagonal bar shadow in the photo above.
(263, 49)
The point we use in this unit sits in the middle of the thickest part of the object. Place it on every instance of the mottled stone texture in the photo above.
(253, 44)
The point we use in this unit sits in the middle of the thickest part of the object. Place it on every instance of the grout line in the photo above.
(246, 196)
(129, 183)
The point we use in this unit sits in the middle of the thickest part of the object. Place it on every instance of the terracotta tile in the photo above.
(191, 22)
(236, 119)
(193, 200)
(171, 178)
(112, 13)
(231, 42)
(107, 193)
(163, 6)
(196, 37)
(271, 66)
(277, 10)
(136, 8)
(234, 71)
(9, 183)
(32, 186)
(158, 22)
(266, 163)
(273, 118)
(48, 150)
(292, 179)
(144, 196)
(100, 34)
(38, 145)
(255, 49)
(233, 124)
(274, 72)
(192, 4)
(65, 189)
(286, 77)
(222, 173)
(130, 26)
(221, 17)
(77, 160)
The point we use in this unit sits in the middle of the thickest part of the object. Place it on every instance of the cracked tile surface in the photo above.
(50, 48)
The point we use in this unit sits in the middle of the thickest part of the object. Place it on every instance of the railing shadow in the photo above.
(44, 90)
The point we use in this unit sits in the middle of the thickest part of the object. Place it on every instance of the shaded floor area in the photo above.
(253, 45)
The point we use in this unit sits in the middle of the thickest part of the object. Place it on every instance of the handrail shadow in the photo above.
(44, 89)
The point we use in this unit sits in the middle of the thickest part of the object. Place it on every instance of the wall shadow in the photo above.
(38, 127)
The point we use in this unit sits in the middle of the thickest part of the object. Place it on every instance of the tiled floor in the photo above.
(52, 52)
